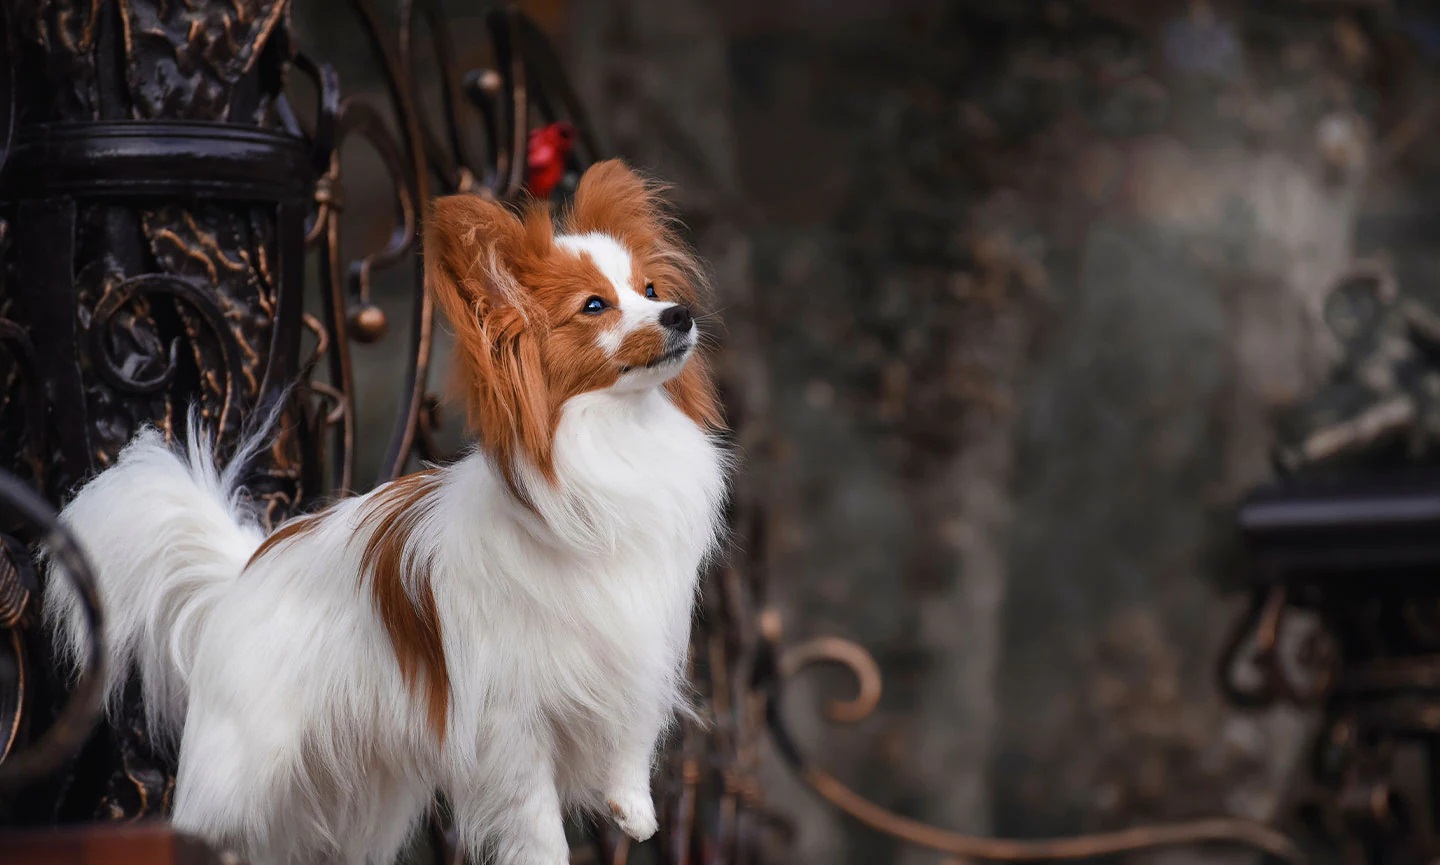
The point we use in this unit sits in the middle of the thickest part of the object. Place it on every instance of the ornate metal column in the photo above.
(1344, 552)
(154, 257)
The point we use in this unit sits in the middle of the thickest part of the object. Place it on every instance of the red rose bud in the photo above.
(549, 148)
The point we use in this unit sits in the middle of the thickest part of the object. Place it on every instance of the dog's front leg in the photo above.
(507, 797)
(628, 793)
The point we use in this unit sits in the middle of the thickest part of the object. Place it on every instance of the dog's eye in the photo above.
(594, 305)
(650, 290)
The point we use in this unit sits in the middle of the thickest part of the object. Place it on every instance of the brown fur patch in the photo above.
(639, 347)
(514, 300)
(412, 621)
(693, 391)
(413, 624)
(290, 530)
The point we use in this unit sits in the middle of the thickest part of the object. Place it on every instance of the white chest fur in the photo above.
(598, 581)
(585, 601)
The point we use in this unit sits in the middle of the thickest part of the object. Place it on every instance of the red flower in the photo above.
(549, 147)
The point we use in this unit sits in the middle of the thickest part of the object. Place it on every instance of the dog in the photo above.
(509, 629)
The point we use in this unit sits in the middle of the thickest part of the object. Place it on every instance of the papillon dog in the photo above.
(509, 630)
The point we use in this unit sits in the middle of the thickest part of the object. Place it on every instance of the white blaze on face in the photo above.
(615, 264)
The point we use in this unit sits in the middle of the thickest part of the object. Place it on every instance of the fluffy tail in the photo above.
(166, 531)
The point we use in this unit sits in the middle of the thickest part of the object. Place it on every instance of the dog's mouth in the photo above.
(670, 356)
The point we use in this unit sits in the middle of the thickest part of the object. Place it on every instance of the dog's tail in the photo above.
(166, 531)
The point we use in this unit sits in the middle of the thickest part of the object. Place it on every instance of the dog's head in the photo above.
(545, 309)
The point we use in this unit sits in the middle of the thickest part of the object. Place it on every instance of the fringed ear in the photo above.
(472, 247)
(477, 255)
(518, 418)
(614, 200)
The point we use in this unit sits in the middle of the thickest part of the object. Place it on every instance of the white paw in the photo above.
(634, 814)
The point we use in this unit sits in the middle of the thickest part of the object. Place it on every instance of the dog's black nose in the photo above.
(676, 318)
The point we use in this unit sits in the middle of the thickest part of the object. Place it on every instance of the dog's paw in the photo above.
(634, 813)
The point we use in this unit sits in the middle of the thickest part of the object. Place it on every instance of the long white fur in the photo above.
(565, 630)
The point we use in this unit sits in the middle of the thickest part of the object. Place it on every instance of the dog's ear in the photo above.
(475, 252)
(612, 199)
(478, 255)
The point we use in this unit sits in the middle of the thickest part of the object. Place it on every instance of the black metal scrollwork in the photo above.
(72, 724)
(15, 341)
(782, 664)
(181, 290)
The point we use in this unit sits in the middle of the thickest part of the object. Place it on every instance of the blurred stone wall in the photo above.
(1012, 293)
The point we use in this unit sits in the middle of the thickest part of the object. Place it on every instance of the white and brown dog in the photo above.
(509, 630)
